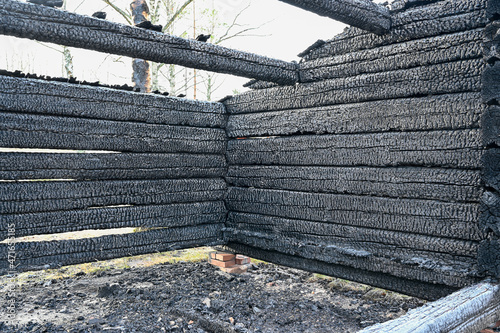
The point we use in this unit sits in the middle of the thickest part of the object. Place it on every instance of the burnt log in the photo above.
(435, 19)
(55, 98)
(452, 77)
(454, 274)
(57, 132)
(467, 310)
(150, 216)
(401, 182)
(420, 52)
(51, 25)
(363, 14)
(453, 149)
(449, 111)
(101, 166)
(43, 196)
(407, 286)
(418, 216)
(38, 255)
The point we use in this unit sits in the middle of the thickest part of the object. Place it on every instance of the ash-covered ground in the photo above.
(197, 297)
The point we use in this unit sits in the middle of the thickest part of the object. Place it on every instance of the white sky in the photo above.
(288, 32)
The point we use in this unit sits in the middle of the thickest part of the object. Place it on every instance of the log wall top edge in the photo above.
(363, 14)
(26, 20)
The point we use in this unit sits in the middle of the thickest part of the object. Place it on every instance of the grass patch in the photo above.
(144, 260)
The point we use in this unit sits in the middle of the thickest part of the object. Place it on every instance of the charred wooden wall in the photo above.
(107, 159)
(370, 169)
(490, 208)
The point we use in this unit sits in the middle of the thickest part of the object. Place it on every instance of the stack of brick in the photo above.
(230, 263)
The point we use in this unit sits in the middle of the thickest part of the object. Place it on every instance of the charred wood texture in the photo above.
(398, 182)
(404, 285)
(451, 77)
(51, 25)
(363, 14)
(490, 212)
(426, 217)
(32, 197)
(420, 268)
(489, 254)
(149, 216)
(101, 166)
(467, 310)
(452, 149)
(36, 255)
(434, 19)
(20, 95)
(449, 111)
(55, 132)
(421, 52)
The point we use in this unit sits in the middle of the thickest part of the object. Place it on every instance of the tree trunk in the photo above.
(141, 75)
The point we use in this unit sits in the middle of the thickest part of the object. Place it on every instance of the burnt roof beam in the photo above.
(47, 24)
(363, 14)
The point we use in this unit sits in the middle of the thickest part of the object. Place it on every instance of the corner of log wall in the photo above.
(489, 252)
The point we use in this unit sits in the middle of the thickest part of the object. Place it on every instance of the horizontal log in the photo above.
(425, 217)
(453, 111)
(64, 99)
(363, 241)
(489, 219)
(454, 149)
(490, 122)
(102, 166)
(150, 216)
(466, 311)
(55, 132)
(442, 273)
(407, 286)
(420, 52)
(256, 84)
(453, 77)
(403, 182)
(39, 255)
(489, 257)
(399, 5)
(363, 14)
(491, 84)
(31, 197)
(435, 19)
(491, 168)
(51, 25)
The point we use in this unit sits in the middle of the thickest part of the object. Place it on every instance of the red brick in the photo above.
(224, 256)
(222, 263)
(236, 269)
(242, 260)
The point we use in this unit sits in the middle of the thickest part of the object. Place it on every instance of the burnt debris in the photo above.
(203, 38)
(150, 26)
(99, 15)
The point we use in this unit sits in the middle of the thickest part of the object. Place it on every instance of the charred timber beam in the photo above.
(467, 310)
(362, 14)
(51, 25)
(386, 281)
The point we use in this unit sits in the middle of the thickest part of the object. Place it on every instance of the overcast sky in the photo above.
(287, 31)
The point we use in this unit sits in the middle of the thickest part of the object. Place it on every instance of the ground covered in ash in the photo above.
(197, 297)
